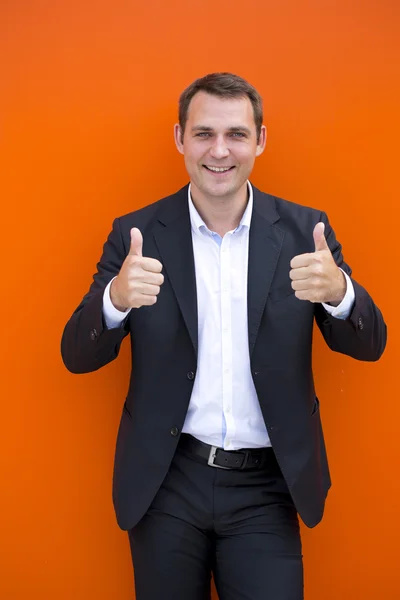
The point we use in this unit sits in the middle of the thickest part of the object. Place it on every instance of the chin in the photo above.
(219, 192)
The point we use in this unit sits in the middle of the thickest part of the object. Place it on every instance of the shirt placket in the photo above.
(226, 337)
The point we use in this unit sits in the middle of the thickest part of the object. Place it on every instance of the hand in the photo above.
(139, 280)
(315, 276)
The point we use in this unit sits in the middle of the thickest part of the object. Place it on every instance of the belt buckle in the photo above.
(211, 458)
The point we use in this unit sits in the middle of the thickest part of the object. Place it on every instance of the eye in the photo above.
(203, 134)
(237, 134)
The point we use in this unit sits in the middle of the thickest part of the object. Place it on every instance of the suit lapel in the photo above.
(265, 243)
(173, 237)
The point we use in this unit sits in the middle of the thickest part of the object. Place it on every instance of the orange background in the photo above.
(89, 97)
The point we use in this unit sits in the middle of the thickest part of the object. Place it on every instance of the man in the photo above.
(220, 444)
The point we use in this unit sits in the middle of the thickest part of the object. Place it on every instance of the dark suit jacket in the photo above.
(164, 347)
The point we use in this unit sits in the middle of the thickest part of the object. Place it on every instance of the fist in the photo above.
(315, 276)
(139, 280)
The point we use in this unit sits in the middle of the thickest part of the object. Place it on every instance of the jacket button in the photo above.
(174, 431)
(360, 323)
(190, 375)
(93, 335)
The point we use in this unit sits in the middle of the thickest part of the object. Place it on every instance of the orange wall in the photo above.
(89, 93)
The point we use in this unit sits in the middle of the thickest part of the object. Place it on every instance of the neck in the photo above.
(221, 213)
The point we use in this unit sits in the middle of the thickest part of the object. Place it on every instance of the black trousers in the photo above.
(240, 527)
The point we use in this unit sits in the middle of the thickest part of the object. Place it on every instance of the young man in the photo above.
(220, 444)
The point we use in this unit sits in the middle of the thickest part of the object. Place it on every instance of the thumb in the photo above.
(319, 237)
(136, 242)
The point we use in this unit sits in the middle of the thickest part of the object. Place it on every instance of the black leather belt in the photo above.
(244, 459)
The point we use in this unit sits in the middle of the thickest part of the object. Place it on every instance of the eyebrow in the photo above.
(230, 129)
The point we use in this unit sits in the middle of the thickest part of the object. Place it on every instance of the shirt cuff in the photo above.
(112, 316)
(343, 310)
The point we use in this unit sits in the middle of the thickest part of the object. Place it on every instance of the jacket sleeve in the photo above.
(86, 343)
(363, 334)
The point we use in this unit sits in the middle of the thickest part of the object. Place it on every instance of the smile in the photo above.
(218, 169)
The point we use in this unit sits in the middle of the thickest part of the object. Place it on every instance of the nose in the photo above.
(219, 149)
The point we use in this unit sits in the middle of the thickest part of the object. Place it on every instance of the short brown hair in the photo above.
(224, 85)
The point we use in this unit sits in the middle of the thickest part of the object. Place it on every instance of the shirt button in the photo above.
(174, 431)
(190, 375)
(93, 335)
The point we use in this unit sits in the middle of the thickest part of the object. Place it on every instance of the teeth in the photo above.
(219, 169)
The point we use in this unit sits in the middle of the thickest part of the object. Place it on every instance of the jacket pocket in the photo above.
(280, 293)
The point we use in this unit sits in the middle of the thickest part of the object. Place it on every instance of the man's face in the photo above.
(220, 144)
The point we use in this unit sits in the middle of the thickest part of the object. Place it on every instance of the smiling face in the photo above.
(219, 144)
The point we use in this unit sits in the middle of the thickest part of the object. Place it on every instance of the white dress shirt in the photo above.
(224, 409)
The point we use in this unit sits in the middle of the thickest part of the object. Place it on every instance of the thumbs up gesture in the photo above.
(315, 276)
(139, 280)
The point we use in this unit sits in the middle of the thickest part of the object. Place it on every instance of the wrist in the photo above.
(115, 298)
(340, 290)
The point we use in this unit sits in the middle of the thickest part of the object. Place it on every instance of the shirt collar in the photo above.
(197, 222)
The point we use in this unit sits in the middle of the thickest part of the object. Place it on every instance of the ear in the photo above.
(178, 136)
(261, 141)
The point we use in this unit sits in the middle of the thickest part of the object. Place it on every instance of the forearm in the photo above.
(87, 344)
(362, 335)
